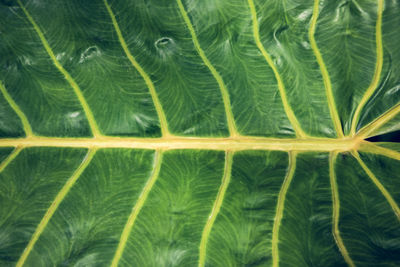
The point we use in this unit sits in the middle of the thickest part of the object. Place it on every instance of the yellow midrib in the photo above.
(234, 144)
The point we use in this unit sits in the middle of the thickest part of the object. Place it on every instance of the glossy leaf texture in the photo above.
(199, 133)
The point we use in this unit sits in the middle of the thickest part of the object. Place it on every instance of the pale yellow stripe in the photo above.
(136, 209)
(380, 121)
(224, 91)
(145, 76)
(10, 158)
(54, 205)
(216, 207)
(372, 148)
(379, 185)
(279, 208)
(289, 112)
(15, 107)
(67, 76)
(325, 75)
(336, 210)
(251, 143)
(378, 69)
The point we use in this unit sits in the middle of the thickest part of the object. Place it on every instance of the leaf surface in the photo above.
(208, 133)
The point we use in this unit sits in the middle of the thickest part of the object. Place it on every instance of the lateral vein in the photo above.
(372, 148)
(378, 69)
(280, 207)
(54, 205)
(216, 208)
(224, 91)
(378, 122)
(10, 158)
(136, 209)
(378, 184)
(336, 210)
(89, 115)
(325, 74)
(142, 72)
(288, 110)
(24, 120)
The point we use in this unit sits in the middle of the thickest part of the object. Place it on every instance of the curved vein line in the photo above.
(325, 74)
(336, 210)
(372, 148)
(378, 69)
(10, 158)
(380, 121)
(279, 208)
(89, 115)
(136, 209)
(54, 205)
(224, 91)
(24, 120)
(378, 184)
(142, 72)
(289, 112)
(216, 207)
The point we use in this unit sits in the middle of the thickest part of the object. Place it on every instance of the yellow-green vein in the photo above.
(387, 116)
(67, 76)
(336, 210)
(279, 208)
(10, 158)
(378, 184)
(378, 69)
(157, 104)
(289, 112)
(18, 111)
(136, 209)
(224, 91)
(54, 205)
(372, 148)
(216, 207)
(325, 75)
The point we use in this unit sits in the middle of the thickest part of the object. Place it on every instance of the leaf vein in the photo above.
(280, 207)
(378, 69)
(137, 208)
(142, 72)
(325, 74)
(216, 208)
(336, 210)
(224, 91)
(89, 115)
(379, 185)
(24, 120)
(54, 205)
(10, 158)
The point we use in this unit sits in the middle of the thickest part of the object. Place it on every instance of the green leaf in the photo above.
(199, 133)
